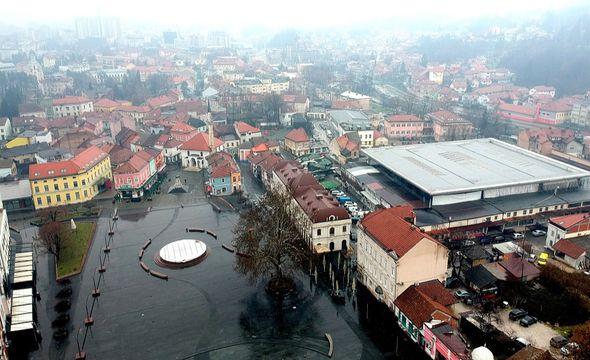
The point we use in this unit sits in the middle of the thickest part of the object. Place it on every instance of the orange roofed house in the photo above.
(297, 142)
(72, 181)
(393, 254)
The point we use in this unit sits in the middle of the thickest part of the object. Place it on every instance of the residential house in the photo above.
(194, 152)
(442, 341)
(346, 147)
(7, 168)
(257, 145)
(72, 106)
(262, 165)
(29, 109)
(70, 181)
(297, 142)
(246, 132)
(5, 128)
(24, 154)
(570, 253)
(449, 126)
(393, 254)
(421, 303)
(224, 174)
(227, 134)
(138, 174)
(182, 131)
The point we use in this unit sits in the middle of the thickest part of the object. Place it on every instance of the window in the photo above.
(331, 231)
(344, 229)
(319, 232)
(68, 197)
(75, 183)
(39, 201)
(83, 182)
(85, 193)
(77, 195)
(49, 200)
(56, 187)
(66, 185)
(46, 187)
(58, 198)
(36, 189)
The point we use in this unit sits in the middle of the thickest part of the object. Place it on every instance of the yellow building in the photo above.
(71, 181)
(18, 141)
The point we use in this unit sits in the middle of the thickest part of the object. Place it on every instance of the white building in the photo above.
(194, 152)
(72, 106)
(5, 128)
(323, 223)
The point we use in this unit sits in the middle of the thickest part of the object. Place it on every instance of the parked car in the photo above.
(539, 232)
(523, 341)
(558, 341)
(337, 193)
(462, 294)
(532, 258)
(499, 238)
(528, 321)
(516, 314)
(569, 349)
(451, 282)
(468, 243)
(517, 236)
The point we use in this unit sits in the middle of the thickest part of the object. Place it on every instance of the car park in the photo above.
(527, 321)
(539, 232)
(558, 341)
(517, 236)
(461, 294)
(516, 314)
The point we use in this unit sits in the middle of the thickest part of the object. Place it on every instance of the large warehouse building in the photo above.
(477, 184)
(458, 171)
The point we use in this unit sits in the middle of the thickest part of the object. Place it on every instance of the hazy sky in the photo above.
(272, 13)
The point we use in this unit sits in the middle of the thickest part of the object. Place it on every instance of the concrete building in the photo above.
(323, 223)
(449, 126)
(71, 181)
(72, 106)
(404, 128)
(567, 227)
(393, 254)
(297, 142)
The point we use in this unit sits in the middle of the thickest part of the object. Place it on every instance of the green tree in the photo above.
(10, 102)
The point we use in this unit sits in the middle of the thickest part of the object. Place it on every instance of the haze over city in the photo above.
(295, 180)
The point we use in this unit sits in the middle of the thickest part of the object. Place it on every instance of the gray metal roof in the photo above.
(348, 116)
(17, 189)
(470, 165)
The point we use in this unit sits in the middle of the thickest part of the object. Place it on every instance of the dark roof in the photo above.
(531, 353)
(24, 150)
(569, 248)
(449, 336)
(480, 277)
(517, 268)
(476, 252)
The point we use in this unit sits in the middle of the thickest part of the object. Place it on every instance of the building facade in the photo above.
(71, 181)
(72, 106)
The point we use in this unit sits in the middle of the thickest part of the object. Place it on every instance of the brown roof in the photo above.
(297, 135)
(569, 248)
(420, 308)
(68, 100)
(518, 267)
(392, 232)
(200, 142)
(531, 353)
(403, 118)
(243, 127)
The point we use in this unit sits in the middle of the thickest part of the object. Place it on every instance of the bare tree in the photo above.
(52, 232)
(269, 244)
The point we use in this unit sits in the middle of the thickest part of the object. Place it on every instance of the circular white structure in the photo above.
(183, 252)
(482, 353)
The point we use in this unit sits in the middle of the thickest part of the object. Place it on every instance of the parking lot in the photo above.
(537, 334)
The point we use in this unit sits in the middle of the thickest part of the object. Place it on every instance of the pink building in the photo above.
(131, 177)
(404, 127)
(441, 341)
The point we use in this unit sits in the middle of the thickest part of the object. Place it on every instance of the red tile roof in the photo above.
(81, 162)
(243, 127)
(420, 308)
(569, 248)
(392, 232)
(567, 221)
(200, 142)
(105, 102)
(518, 267)
(297, 135)
(69, 100)
(182, 127)
(403, 118)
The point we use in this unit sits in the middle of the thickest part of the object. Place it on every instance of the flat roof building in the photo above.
(468, 170)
